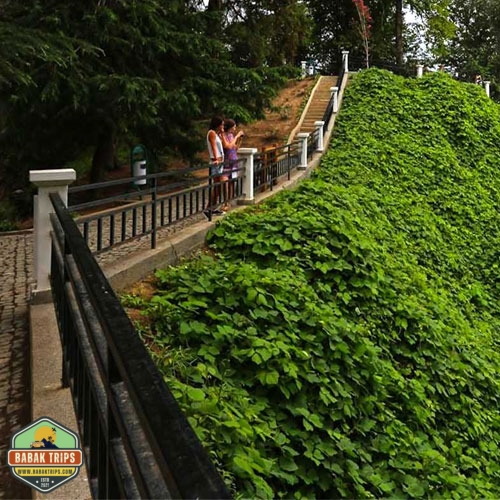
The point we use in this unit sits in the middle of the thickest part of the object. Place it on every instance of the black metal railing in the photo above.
(137, 442)
(341, 76)
(328, 112)
(275, 163)
(312, 141)
(148, 203)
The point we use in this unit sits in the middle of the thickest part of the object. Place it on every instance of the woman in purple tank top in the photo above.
(230, 143)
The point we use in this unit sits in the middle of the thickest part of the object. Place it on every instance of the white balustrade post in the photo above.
(303, 67)
(420, 70)
(487, 87)
(345, 58)
(47, 181)
(303, 136)
(319, 129)
(335, 92)
(247, 155)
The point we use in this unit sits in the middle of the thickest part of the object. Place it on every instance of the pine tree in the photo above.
(96, 68)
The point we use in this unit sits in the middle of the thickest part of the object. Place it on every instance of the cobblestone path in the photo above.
(16, 258)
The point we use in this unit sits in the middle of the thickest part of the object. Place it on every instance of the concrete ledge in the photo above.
(169, 252)
(246, 202)
(41, 297)
(48, 397)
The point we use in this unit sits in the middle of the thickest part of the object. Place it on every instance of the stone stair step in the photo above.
(318, 104)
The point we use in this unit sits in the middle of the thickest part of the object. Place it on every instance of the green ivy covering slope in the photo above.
(343, 339)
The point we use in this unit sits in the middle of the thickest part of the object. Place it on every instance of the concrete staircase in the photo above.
(317, 104)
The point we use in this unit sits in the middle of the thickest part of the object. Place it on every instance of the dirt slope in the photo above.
(281, 118)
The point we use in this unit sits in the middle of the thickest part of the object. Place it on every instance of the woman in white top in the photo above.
(216, 155)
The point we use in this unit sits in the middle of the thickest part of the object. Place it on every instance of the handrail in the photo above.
(329, 109)
(145, 209)
(138, 443)
(341, 76)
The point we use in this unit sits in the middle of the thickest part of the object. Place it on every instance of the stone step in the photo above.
(319, 102)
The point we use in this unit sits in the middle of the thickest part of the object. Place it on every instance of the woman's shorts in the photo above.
(216, 169)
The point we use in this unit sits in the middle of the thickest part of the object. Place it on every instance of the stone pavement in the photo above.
(16, 260)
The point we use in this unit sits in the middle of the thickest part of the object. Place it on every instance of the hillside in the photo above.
(341, 340)
(282, 117)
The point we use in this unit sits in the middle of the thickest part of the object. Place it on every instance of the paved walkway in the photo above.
(16, 258)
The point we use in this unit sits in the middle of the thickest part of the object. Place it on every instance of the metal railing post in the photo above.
(319, 130)
(288, 161)
(153, 214)
(247, 154)
(47, 181)
(303, 136)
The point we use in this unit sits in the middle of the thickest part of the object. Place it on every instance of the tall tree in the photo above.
(475, 48)
(439, 27)
(261, 32)
(335, 28)
(144, 68)
(398, 31)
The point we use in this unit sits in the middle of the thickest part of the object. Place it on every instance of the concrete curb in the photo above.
(49, 398)
(15, 233)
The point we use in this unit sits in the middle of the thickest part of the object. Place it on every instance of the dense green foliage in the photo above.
(342, 339)
(391, 41)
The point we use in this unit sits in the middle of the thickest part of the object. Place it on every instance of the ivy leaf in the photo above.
(195, 394)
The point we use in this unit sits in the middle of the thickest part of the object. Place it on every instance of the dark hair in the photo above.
(215, 122)
(228, 124)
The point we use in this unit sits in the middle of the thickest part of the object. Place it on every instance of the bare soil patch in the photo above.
(281, 118)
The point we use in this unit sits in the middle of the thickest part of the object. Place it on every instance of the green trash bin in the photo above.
(139, 163)
(311, 67)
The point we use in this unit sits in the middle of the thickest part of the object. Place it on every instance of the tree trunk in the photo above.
(214, 9)
(399, 32)
(214, 5)
(104, 155)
